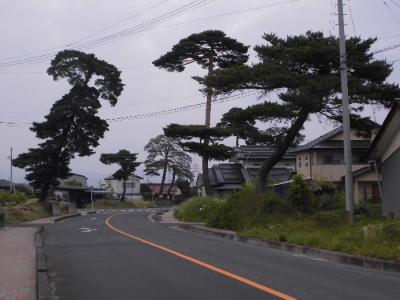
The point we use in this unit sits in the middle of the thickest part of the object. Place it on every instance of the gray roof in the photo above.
(320, 139)
(259, 152)
(232, 176)
(325, 142)
(112, 178)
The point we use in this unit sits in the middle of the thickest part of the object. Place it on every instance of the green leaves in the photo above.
(125, 159)
(72, 127)
(207, 147)
(209, 45)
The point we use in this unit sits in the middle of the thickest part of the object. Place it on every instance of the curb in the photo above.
(66, 217)
(338, 257)
(43, 287)
(42, 278)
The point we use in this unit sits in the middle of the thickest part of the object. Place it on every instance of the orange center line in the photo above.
(202, 263)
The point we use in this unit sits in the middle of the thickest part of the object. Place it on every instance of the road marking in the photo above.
(201, 263)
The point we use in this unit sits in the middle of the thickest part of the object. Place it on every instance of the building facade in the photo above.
(385, 154)
(115, 187)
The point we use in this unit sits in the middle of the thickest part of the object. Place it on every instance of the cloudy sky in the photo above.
(37, 28)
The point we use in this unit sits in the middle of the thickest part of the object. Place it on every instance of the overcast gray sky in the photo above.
(32, 27)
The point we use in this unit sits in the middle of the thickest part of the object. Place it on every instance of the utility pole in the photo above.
(11, 171)
(346, 116)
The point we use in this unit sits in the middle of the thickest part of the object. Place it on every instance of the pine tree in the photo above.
(304, 72)
(72, 127)
(212, 50)
(127, 162)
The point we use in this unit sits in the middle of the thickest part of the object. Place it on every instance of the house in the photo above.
(115, 186)
(73, 188)
(323, 159)
(226, 178)
(252, 156)
(20, 187)
(384, 153)
(155, 190)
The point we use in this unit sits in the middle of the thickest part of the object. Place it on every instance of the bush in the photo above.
(301, 197)
(244, 208)
(331, 219)
(197, 209)
(12, 199)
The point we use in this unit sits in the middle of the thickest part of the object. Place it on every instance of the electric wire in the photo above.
(114, 36)
(162, 112)
(108, 39)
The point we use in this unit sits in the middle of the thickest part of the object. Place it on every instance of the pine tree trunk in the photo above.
(123, 190)
(164, 175)
(206, 178)
(172, 184)
(44, 190)
(209, 95)
(262, 180)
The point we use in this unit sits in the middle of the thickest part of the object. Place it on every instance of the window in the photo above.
(332, 159)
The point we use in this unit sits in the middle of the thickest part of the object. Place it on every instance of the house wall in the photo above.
(393, 146)
(257, 164)
(354, 136)
(391, 184)
(312, 164)
(116, 186)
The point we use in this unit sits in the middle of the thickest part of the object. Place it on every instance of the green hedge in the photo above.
(12, 199)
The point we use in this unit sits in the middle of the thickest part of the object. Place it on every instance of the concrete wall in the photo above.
(391, 184)
(115, 186)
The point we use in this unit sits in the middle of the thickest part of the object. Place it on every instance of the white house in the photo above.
(72, 188)
(115, 186)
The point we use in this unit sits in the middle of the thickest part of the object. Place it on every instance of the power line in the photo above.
(114, 36)
(391, 11)
(352, 18)
(395, 3)
(108, 39)
(161, 112)
(392, 47)
(94, 33)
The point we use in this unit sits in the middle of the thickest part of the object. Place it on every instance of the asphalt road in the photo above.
(133, 258)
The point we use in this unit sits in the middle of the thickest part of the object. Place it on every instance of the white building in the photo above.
(115, 186)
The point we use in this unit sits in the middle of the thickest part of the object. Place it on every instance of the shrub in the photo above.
(197, 209)
(245, 207)
(11, 199)
(301, 197)
(331, 219)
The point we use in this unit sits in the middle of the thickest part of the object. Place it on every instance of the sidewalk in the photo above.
(17, 264)
(18, 260)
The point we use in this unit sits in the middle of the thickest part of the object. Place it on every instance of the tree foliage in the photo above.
(165, 153)
(72, 127)
(304, 74)
(202, 48)
(127, 163)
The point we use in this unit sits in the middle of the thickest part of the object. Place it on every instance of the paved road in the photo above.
(133, 258)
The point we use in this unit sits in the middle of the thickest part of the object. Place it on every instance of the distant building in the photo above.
(226, 178)
(252, 157)
(156, 192)
(115, 187)
(73, 188)
(385, 152)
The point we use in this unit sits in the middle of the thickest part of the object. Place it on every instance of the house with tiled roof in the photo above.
(323, 159)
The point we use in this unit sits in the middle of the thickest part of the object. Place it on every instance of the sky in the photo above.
(32, 28)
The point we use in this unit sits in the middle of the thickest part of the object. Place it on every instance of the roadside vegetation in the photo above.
(18, 208)
(114, 203)
(299, 218)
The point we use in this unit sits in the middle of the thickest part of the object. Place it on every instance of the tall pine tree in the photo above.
(72, 127)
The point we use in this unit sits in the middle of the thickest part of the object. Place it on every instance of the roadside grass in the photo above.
(268, 216)
(29, 211)
(197, 209)
(115, 203)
